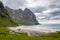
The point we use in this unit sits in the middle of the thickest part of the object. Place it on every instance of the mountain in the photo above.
(5, 20)
(25, 17)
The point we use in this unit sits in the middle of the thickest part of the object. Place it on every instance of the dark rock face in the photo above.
(22, 17)
(5, 20)
(3, 11)
(14, 13)
(1, 5)
(29, 15)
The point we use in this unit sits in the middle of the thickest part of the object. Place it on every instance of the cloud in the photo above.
(38, 9)
(15, 4)
(49, 21)
(55, 12)
(50, 14)
(46, 4)
(55, 4)
(42, 5)
(36, 5)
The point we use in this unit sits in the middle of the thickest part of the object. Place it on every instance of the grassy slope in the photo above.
(7, 36)
(6, 22)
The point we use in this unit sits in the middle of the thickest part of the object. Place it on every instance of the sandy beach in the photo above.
(31, 31)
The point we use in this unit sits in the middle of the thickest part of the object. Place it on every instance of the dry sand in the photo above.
(31, 31)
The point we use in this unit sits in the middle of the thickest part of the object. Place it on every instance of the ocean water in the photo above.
(55, 27)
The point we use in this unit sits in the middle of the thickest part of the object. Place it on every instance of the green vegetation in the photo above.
(7, 22)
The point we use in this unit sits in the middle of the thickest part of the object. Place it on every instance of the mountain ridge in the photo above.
(23, 17)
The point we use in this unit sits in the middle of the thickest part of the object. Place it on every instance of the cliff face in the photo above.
(5, 20)
(29, 15)
(3, 11)
(22, 17)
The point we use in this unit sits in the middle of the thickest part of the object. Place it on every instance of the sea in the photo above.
(55, 27)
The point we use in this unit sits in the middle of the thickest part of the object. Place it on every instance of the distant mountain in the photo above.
(5, 20)
(23, 17)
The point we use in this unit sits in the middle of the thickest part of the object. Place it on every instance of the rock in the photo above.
(5, 20)
(3, 11)
(23, 17)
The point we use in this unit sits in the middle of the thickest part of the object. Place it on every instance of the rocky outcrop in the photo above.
(22, 17)
(3, 11)
(29, 15)
(5, 20)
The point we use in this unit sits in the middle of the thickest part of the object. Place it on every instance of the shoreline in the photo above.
(30, 31)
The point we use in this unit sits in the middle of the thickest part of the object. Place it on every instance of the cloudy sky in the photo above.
(46, 11)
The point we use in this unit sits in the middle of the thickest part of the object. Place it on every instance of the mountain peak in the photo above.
(1, 5)
(26, 9)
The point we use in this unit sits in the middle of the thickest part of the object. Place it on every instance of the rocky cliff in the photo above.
(5, 20)
(3, 11)
(23, 17)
